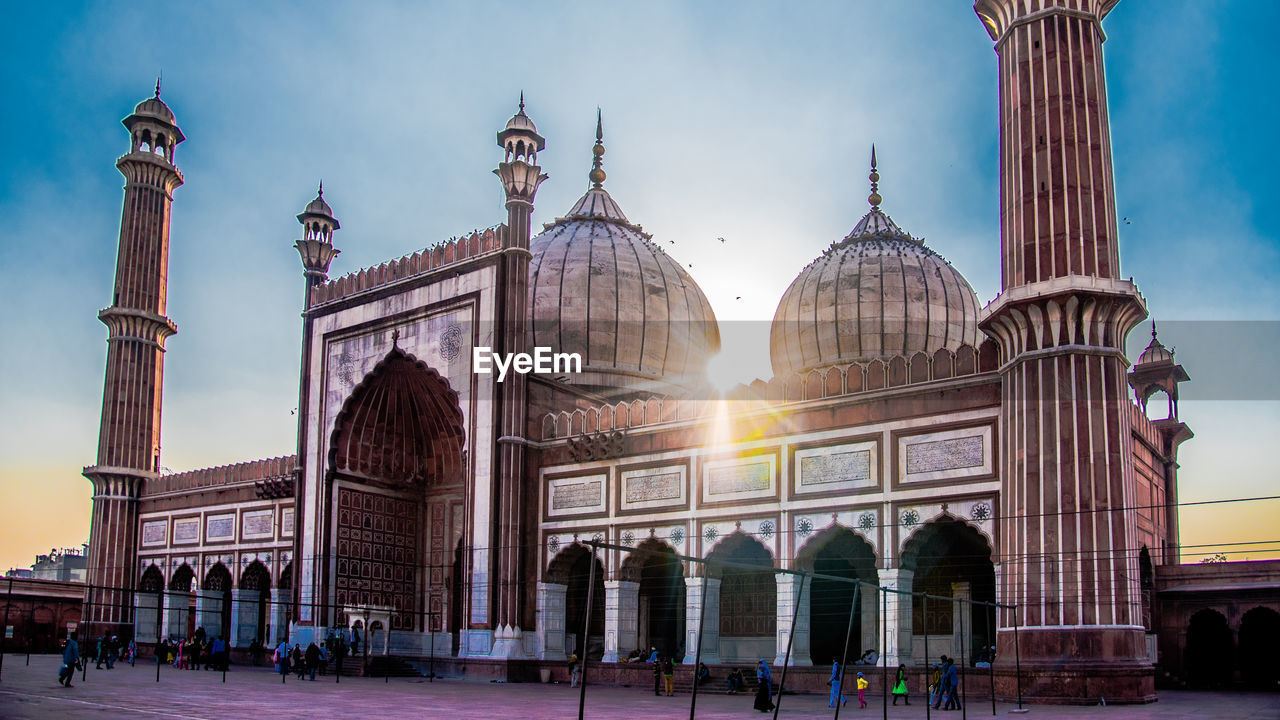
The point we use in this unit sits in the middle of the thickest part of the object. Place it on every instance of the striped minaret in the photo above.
(1066, 534)
(520, 175)
(129, 436)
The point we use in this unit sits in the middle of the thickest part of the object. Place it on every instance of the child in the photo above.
(862, 690)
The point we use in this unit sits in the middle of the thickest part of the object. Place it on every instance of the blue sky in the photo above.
(750, 121)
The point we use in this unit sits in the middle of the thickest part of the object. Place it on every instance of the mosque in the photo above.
(911, 436)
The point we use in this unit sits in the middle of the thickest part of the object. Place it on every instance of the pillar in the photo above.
(789, 593)
(896, 608)
(177, 604)
(870, 618)
(694, 607)
(209, 611)
(550, 624)
(621, 618)
(279, 619)
(244, 617)
(144, 617)
(961, 620)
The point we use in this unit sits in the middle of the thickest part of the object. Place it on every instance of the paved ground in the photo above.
(33, 692)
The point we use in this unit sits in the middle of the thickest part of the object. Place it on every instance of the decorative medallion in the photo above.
(981, 511)
(451, 342)
(553, 544)
(766, 529)
(677, 536)
(867, 521)
(346, 368)
(711, 533)
(597, 538)
(628, 538)
(805, 527)
(910, 518)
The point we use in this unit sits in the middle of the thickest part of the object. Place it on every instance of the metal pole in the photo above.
(432, 676)
(586, 635)
(844, 654)
(928, 674)
(786, 662)
(884, 640)
(159, 627)
(1017, 655)
(697, 654)
(964, 699)
(84, 666)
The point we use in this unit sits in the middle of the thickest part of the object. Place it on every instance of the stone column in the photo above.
(961, 620)
(550, 621)
(789, 593)
(177, 604)
(896, 611)
(621, 608)
(694, 607)
(144, 617)
(209, 612)
(279, 617)
(870, 614)
(244, 617)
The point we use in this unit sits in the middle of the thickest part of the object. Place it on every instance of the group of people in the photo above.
(305, 662)
(109, 648)
(664, 673)
(195, 652)
(944, 683)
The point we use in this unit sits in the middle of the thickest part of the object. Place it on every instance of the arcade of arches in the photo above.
(240, 612)
(654, 600)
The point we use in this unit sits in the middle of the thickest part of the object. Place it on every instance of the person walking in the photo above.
(575, 671)
(900, 686)
(70, 658)
(834, 682)
(862, 691)
(313, 659)
(939, 693)
(669, 676)
(951, 683)
(764, 691)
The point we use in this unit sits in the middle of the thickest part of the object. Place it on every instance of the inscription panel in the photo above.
(654, 487)
(582, 495)
(155, 532)
(256, 524)
(945, 455)
(219, 527)
(739, 478)
(186, 530)
(853, 466)
(286, 521)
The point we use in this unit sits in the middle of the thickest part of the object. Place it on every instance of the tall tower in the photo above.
(520, 176)
(129, 437)
(1067, 531)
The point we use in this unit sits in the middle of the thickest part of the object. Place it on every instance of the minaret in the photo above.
(1067, 527)
(129, 437)
(316, 251)
(520, 176)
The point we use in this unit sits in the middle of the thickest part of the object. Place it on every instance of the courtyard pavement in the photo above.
(32, 692)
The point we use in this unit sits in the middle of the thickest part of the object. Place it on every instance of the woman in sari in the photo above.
(764, 693)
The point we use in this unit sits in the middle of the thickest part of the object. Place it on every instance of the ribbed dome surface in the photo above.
(599, 287)
(1156, 351)
(877, 293)
(156, 108)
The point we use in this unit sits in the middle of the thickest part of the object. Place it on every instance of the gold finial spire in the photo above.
(158, 78)
(320, 191)
(874, 198)
(521, 101)
(597, 175)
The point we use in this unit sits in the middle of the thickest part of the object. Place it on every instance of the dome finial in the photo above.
(597, 175)
(158, 78)
(521, 101)
(874, 198)
(320, 191)
(1153, 328)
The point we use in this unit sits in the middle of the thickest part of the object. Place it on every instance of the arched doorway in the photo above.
(1209, 655)
(43, 632)
(397, 472)
(949, 558)
(215, 593)
(1260, 648)
(748, 599)
(179, 621)
(253, 602)
(148, 601)
(843, 553)
(661, 597)
(572, 568)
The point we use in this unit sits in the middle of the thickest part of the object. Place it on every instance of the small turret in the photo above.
(316, 246)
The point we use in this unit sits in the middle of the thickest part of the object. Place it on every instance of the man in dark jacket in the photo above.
(313, 659)
(70, 657)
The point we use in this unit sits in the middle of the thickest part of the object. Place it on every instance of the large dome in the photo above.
(878, 292)
(598, 286)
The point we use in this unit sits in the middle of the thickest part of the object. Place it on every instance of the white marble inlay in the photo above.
(739, 478)
(945, 455)
(654, 487)
(851, 466)
(154, 533)
(186, 530)
(576, 495)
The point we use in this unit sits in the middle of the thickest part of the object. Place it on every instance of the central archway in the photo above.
(397, 470)
(572, 568)
(842, 553)
(950, 558)
(748, 599)
(653, 565)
